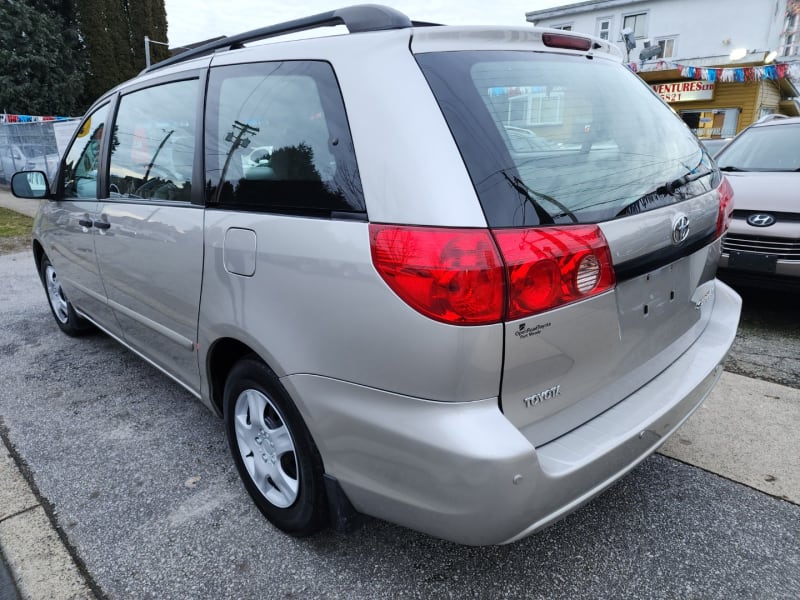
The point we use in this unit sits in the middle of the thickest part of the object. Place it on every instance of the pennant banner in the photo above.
(728, 75)
(7, 118)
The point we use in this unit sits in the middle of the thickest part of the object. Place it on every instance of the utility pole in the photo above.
(238, 140)
(147, 42)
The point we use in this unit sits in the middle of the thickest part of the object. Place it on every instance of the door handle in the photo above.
(84, 222)
(102, 224)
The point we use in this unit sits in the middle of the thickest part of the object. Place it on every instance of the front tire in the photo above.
(274, 453)
(66, 318)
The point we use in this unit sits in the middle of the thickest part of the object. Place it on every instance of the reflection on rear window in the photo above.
(549, 138)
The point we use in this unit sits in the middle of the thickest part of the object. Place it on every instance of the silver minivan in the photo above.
(458, 278)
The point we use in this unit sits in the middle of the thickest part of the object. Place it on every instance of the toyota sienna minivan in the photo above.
(457, 278)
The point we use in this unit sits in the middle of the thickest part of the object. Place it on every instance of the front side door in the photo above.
(149, 237)
(67, 224)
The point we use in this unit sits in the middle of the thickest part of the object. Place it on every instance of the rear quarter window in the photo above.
(277, 140)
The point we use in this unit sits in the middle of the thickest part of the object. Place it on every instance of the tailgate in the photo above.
(566, 366)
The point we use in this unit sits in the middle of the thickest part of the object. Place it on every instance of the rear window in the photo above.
(555, 139)
(767, 148)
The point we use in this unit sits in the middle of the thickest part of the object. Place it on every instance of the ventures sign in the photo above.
(685, 91)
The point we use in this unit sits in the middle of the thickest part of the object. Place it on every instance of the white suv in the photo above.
(457, 278)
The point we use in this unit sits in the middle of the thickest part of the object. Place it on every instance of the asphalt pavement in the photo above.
(115, 482)
(24, 206)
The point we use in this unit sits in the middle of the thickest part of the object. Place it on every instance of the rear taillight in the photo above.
(725, 207)
(478, 276)
(552, 266)
(451, 275)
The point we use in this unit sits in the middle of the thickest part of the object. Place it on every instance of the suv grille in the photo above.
(784, 250)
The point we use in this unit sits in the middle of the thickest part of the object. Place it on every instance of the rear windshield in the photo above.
(555, 139)
(768, 148)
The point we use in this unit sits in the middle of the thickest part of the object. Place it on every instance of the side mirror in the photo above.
(30, 184)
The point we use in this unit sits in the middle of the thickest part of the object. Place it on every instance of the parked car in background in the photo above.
(26, 157)
(386, 262)
(714, 145)
(762, 246)
(13, 159)
(41, 158)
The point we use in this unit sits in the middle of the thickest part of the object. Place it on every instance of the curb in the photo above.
(38, 560)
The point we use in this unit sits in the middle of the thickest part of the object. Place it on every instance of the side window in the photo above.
(277, 140)
(152, 147)
(82, 160)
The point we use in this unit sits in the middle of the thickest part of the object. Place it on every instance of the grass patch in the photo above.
(14, 224)
(15, 231)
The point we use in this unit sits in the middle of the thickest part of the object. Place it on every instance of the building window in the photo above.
(563, 27)
(603, 28)
(667, 47)
(536, 108)
(791, 30)
(766, 111)
(790, 49)
(711, 124)
(637, 23)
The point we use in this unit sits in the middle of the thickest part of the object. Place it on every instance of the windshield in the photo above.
(550, 138)
(767, 148)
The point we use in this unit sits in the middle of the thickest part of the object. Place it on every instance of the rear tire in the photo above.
(274, 453)
(66, 318)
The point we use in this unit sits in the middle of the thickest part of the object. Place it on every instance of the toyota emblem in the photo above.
(680, 229)
(761, 220)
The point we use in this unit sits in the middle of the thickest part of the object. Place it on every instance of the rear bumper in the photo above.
(463, 472)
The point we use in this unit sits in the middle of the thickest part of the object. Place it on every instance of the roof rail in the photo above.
(358, 18)
(772, 117)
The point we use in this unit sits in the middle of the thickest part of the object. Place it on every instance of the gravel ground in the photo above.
(138, 477)
(18, 243)
(767, 345)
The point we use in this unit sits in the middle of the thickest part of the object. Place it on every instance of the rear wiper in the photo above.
(529, 193)
(732, 168)
(661, 196)
(673, 185)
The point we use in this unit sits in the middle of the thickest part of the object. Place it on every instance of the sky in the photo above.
(190, 21)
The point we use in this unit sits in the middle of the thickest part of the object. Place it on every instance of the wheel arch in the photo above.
(223, 354)
(38, 255)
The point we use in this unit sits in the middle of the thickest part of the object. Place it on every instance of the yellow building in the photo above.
(715, 106)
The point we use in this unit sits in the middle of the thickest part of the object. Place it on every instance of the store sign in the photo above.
(685, 91)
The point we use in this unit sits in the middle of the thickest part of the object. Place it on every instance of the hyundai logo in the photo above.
(761, 220)
(680, 229)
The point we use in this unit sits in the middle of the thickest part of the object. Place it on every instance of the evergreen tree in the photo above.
(58, 56)
(42, 64)
(157, 20)
(113, 32)
(103, 69)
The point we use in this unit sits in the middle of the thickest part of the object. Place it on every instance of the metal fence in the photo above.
(34, 146)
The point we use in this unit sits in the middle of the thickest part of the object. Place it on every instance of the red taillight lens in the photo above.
(451, 275)
(478, 276)
(725, 207)
(551, 266)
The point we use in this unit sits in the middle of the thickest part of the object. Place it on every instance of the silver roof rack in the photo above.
(358, 18)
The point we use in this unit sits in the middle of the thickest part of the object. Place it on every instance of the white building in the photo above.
(744, 52)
